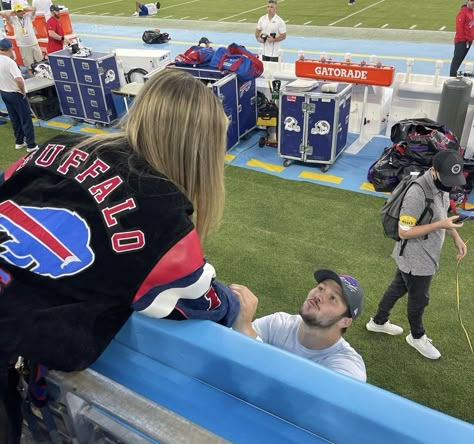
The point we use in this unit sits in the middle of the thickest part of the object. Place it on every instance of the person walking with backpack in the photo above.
(418, 251)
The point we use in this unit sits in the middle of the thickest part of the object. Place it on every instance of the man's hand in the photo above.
(248, 307)
(461, 246)
(450, 223)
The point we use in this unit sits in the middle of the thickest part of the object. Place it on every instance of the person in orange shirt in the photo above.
(56, 38)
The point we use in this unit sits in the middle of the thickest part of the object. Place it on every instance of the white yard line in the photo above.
(184, 18)
(167, 17)
(442, 28)
(245, 12)
(179, 4)
(105, 13)
(99, 4)
(384, 26)
(358, 24)
(203, 18)
(307, 23)
(413, 26)
(242, 20)
(355, 13)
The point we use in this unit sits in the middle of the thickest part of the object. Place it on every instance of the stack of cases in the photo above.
(84, 85)
(313, 124)
(238, 98)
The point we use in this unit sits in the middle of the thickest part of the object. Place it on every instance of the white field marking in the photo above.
(184, 18)
(89, 13)
(105, 13)
(442, 28)
(244, 12)
(358, 24)
(287, 21)
(120, 14)
(168, 16)
(384, 26)
(242, 20)
(307, 23)
(179, 4)
(413, 26)
(354, 13)
(203, 18)
(98, 4)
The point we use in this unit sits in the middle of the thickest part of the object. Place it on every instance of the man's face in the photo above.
(20, 14)
(271, 9)
(324, 306)
(56, 14)
(470, 4)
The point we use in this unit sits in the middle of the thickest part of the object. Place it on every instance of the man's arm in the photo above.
(21, 85)
(460, 23)
(257, 35)
(423, 230)
(460, 245)
(248, 307)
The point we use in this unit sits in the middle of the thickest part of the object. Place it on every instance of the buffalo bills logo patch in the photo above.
(52, 242)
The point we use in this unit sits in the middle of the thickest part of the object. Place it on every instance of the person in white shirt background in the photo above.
(22, 21)
(271, 30)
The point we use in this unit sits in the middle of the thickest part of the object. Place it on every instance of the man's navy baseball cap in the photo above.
(5, 44)
(55, 8)
(351, 289)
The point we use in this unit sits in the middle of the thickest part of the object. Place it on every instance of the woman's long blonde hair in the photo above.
(178, 126)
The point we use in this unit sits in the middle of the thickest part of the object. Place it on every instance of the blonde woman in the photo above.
(93, 229)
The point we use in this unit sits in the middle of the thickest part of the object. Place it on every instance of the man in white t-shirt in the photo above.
(316, 332)
(22, 22)
(13, 93)
(142, 9)
(271, 30)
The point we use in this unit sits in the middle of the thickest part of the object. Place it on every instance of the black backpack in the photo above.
(151, 37)
(390, 212)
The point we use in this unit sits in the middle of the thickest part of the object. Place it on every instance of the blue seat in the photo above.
(246, 391)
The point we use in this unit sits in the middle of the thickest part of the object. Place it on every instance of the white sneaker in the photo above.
(135, 14)
(388, 328)
(424, 346)
(33, 148)
(20, 146)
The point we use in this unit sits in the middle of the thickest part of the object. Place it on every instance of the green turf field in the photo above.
(390, 14)
(276, 232)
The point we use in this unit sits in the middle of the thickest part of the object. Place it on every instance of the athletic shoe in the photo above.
(424, 346)
(20, 146)
(33, 148)
(135, 14)
(388, 328)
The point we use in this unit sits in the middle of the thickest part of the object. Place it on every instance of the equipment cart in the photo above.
(313, 124)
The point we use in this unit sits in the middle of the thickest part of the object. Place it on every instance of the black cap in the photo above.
(55, 8)
(204, 40)
(449, 165)
(351, 289)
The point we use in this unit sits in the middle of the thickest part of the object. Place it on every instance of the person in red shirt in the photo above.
(56, 39)
(463, 37)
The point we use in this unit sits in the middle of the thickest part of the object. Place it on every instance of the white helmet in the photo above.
(43, 71)
(321, 127)
(291, 124)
